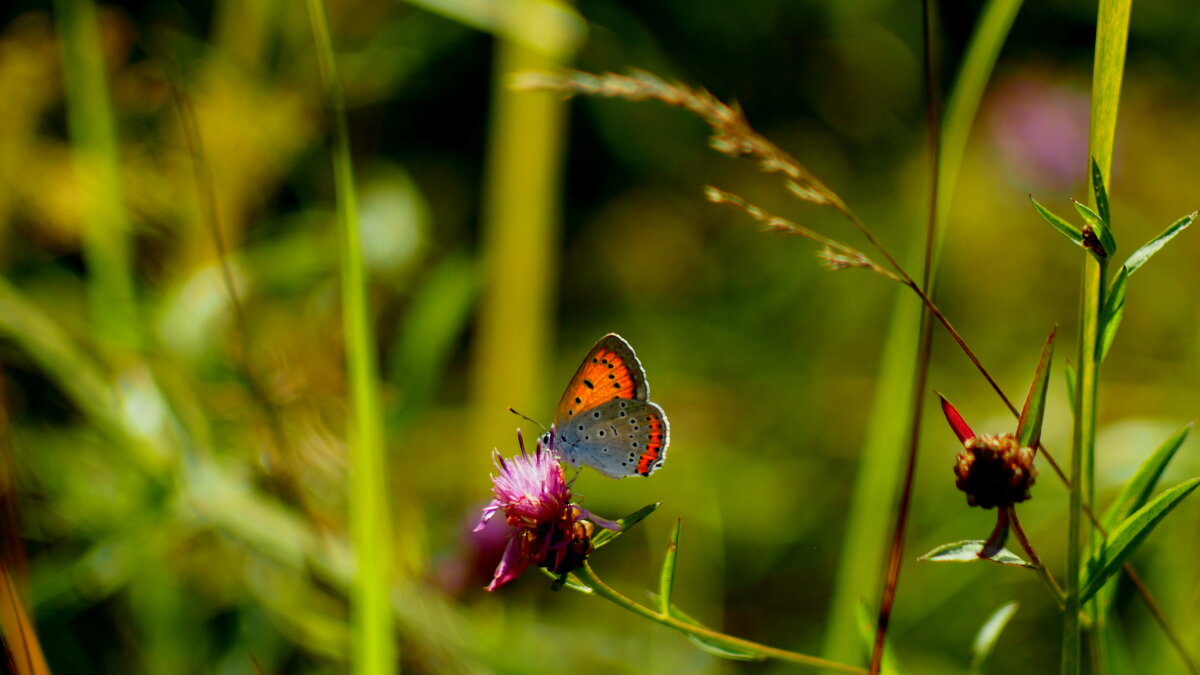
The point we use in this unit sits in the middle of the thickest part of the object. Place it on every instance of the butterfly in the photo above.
(605, 419)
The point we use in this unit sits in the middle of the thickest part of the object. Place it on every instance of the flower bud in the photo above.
(995, 471)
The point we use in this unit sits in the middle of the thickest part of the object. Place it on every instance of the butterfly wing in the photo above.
(619, 438)
(609, 371)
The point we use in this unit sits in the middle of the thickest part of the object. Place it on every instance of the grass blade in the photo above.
(666, 580)
(1065, 228)
(1124, 539)
(1134, 494)
(1029, 427)
(374, 649)
(989, 634)
(995, 21)
(1137, 490)
(1069, 375)
(1151, 247)
(105, 233)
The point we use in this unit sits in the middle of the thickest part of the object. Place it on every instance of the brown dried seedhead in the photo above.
(994, 471)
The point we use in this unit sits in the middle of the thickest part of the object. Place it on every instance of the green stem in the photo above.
(588, 577)
(1112, 33)
(94, 143)
(374, 650)
(1084, 442)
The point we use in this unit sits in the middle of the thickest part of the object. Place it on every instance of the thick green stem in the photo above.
(1112, 33)
(598, 587)
(1084, 443)
(374, 650)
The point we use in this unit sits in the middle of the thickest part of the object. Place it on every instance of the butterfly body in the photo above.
(605, 419)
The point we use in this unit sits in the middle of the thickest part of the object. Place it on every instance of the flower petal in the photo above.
(488, 511)
(511, 565)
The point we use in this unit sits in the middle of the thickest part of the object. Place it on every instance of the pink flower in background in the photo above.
(1040, 129)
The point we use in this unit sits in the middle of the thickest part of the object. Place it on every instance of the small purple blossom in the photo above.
(549, 530)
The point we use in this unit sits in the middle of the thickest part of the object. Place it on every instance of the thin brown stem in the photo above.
(924, 350)
(1038, 565)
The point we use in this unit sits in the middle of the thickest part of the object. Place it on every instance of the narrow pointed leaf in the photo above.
(1065, 228)
(1143, 254)
(724, 651)
(957, 423)
(1099, 226)
(1069, 372)
(1123, 540)
(1134, 494)
(1111, 312)
(604, 536)
(1101, 193)
(666, 580)
(989, 634)
(714, 647)
(1137, 490)
(1029, 428)
(969, 550)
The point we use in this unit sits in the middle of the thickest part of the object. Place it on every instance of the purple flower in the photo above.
(549, 531)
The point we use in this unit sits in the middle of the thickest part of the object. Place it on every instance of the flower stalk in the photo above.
(589, 580)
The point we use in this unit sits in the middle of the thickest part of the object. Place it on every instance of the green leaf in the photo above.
(438, 314)
(1111, 313)
(1069, 373)
(1066, 229)
(1101, 193)
(969, 550)
(666, 580)
(1099, 227)
(1134, 494)
(605, 536)
(1123, 540)
(709, 645)
(1029, 427)
(1137, 490)
(1143, 254)
(724, 651)
(989, 634)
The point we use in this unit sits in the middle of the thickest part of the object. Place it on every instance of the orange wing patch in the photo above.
(609, 371)
(653, 454)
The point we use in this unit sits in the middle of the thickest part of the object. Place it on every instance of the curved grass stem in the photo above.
(589, 578)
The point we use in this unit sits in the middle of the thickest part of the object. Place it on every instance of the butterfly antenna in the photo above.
(528, 419)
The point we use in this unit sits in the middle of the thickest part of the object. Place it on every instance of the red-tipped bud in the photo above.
(957, 423)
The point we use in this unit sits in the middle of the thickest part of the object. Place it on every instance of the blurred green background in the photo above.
(175, 462)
